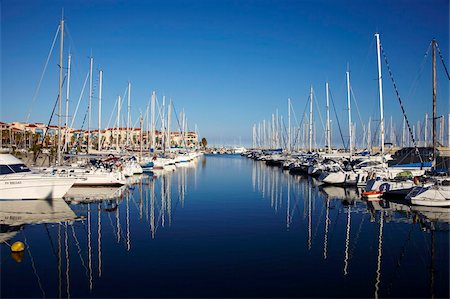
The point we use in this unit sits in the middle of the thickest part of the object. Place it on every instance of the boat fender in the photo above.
(17, 247)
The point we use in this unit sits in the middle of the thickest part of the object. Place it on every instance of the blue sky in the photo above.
(228, 64)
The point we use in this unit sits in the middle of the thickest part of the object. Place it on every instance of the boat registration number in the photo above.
(13, 183)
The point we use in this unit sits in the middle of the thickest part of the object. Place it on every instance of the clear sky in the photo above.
(228, 64)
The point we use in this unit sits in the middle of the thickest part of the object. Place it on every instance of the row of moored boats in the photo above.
(18, 181)
(415, 184)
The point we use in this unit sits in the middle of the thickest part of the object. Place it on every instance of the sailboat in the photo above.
(385, 179)
(439, 193)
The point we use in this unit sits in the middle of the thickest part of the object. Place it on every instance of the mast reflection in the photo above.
(321, 205)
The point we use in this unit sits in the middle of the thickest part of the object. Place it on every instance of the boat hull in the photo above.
(34, 187)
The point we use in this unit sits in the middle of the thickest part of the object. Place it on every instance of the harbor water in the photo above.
(223, 226)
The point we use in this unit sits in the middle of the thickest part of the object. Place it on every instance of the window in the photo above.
(4, 169)
(19, 168)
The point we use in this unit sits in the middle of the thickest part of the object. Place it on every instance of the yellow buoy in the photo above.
(17, 247)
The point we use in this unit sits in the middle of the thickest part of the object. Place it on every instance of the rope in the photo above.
(442, 60)
(401, 104)
(42, 75)
(48, 124)
(179, 126)
(76, 109)
(359, 114)
(337, 119)
(419, 73)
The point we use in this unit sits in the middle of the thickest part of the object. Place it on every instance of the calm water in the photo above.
(227, 226)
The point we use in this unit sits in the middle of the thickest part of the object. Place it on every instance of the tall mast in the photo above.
(328, 119)
(426, 129)
(380, 90)
(128, 113)
(277, 136)
(61, 46)
(169, 116)
(418, 132)
(67, 101)
(391, 132)
(163, 119)
(350, 145)
(273, 131)
(100, 75)
(118, 123)
(152, 121)
(289, 126)
(369, 136)
(147, 116)
(310, 118)
(91, 60)
(448, 130)
(433, 45)
(264, 133)
(141, 127)
(403, 133)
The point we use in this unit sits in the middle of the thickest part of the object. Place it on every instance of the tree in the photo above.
(204, 142)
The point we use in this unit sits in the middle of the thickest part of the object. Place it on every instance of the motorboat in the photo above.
(436, 195)
(17, 181)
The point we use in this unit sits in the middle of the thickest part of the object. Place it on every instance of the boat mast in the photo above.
(169, 116)
(448, 130)
(380, 87)
(350, 146)
(61, 46)
(328, 119)
(264, 133)
(163, 124)
(118, 124)
(152, 121)
(289, 125)
(67, 102)
(91, 60)
(141, 128)
(147, 125)
(273, 132)
(310, 118)
(100, 75)
(128, 113)
(433, 45)
(277, 136)
(426, 129)
(369, 136)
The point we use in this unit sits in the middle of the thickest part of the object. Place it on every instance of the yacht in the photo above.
(17, 181)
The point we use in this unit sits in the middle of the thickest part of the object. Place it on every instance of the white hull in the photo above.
(435, 196)
(34, 186)
(100, 179)
(88, 177)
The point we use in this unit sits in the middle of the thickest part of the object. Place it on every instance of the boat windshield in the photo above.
(13, 168)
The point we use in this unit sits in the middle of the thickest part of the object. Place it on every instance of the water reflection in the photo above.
(301, 233)
(317, 203)
(105, 216)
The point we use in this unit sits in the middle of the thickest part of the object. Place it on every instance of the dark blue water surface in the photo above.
(227, 226)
